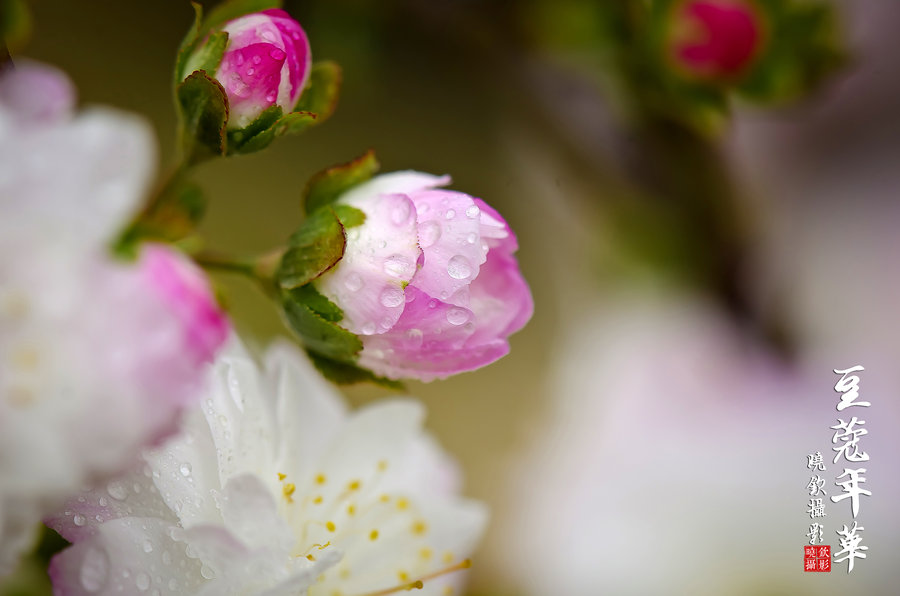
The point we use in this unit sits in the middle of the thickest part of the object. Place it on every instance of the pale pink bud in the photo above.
(429, 281)
(266, 63)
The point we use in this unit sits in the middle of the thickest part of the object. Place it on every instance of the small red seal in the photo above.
(817, 558)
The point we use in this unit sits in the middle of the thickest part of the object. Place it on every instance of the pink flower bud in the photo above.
(266, 63)
(716, 38)
(429, 281)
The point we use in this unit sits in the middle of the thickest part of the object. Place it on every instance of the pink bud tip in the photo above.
(716, 38)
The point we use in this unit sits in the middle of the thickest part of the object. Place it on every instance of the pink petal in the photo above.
(299, 57)
(251, 77)
(379, 261)
(428, 342)
(500, 299)
(730, 36)
(37, 93)
(449, 234)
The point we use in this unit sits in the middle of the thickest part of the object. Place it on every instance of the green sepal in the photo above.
(345, 373)
(326, 186)
(203, 108)
(171, 217)
(257, 135)
(218, 16)
(318, 303)
(320, 96)
(350, 217)
(318, 334)
(209, 56)
(315, 106)
(312, 250)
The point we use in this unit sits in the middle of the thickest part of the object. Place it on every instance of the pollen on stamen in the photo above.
(382, 465)
(288, 490)
(419, 528)
(426, 553)
(351, 509)
(318, 499)
(320, 479)
(385, 498)
(402, 504)
(281, 476)
(403, 576)
(354, 485)
(310, 557)
(373, 535)
(330, 526)
(448, 557)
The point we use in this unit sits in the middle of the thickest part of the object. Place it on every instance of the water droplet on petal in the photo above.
(103, 501)
(185, 469)
(270, 97)
(142, 581)
(459, 267)
(473, 211)
(397, 266)
(400, 213)
(277, 54)
(432, 304)
(207, 572)
(251, 71)
(391, 297)
(457, 316)
(94, 570)
(450, 214)
(429, 233)
(472, 238)
(354, 282)
(78, 520)
(415, 336)
(148, 546)
(257, 60)
(166, 558)
(117, 490)
(368, 328)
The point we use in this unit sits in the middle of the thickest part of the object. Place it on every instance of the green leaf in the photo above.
(295, 122)
(209, 56)
(350, 216)
(256, 135)
(319, 304)
(318, 334)
(312, 250)
(187, 45)
(322, 90)
(344, 373)
(326, 186)
(203, 108)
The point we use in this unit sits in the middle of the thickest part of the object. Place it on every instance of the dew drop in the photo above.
(459, 267)
(103, 501)
(78, 520)
(429, 233)
(354, 282)
(432, 304)
(450, 214)
(94, 570)
(473, 211)
(251, 71)
(457, 316)
(136, 487)
(368, 328)
(207, 572)
(397, 266)
(148, 546)
(166, 558)
(185, 469)
(172, 584)
(415, 336)
(472, 238)
(277, 54)
(270, 97)
(257, 60)
(142, 581)
(392, 297)
(400, 213)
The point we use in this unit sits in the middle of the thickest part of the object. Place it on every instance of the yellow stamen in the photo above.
(354, 485)
(330, 525)
(320, 479)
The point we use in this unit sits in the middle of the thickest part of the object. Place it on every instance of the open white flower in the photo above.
(274, 489)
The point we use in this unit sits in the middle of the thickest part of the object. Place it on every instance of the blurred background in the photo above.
(703, 249)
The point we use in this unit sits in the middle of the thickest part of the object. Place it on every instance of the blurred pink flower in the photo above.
(97, 357)
(429, 280)
(717, 38)
(266, 63)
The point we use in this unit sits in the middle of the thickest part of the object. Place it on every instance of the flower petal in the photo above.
(379, 261)
(499, 298)
(449, 234)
